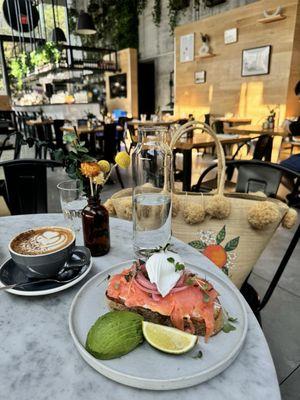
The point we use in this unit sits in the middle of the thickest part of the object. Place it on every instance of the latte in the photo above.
(42, 241)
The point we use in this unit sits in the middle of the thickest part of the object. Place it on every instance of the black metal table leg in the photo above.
(187, 170)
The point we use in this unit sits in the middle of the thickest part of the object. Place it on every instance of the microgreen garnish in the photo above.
(116, 285)
(228, 327)
(206, 298)
(198, 355)
(108, 277)
(179, 267)
(190, 281)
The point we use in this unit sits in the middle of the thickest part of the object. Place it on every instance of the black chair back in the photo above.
(218, 126)
(263, 148)
(26, 185)
(253, 176)
(58, 133)
(110, 142)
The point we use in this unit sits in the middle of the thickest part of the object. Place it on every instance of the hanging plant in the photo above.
(174, 7)
(16, 71)
(156, 13)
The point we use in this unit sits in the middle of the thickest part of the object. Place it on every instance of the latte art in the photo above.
(42, 241)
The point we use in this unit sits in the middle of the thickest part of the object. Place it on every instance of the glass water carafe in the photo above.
(152, 201)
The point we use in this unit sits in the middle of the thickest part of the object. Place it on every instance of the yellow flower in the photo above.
(122, 159)
(89, 169)
(99, 179)
(104, 166)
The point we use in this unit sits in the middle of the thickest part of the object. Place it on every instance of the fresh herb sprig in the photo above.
(178, 266)
(228, 321)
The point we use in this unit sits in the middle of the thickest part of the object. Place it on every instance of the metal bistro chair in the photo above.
(26, 185)
(253, 176)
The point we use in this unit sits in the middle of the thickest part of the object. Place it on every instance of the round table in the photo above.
(38, 359)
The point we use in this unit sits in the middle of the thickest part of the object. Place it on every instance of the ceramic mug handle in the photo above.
(83, 257)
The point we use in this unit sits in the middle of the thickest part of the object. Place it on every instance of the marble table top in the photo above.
(38, 360)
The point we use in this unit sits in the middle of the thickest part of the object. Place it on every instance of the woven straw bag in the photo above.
(231, 229)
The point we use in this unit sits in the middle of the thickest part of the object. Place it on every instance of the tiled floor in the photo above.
(280, 318)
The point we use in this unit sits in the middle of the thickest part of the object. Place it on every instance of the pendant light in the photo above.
(58, 34)
(85, 24)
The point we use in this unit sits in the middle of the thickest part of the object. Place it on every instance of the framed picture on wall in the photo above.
(256, 61)
(200, 77)
(230, 36)
(187, 48)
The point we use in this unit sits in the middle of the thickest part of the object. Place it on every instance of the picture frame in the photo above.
(200, 77)
(230, 36)
(187, 48)
(256, 61)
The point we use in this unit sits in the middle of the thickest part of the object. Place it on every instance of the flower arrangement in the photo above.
(99, 172)
(80, 165)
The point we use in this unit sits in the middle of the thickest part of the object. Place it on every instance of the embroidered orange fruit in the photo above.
(216, 253)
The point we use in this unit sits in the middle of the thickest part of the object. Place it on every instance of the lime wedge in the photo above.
(168, 340)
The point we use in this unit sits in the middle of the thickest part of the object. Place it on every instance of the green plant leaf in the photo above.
(232, 244)
(221, 235)
(197, 244)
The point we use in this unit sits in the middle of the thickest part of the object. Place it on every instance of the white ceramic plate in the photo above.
(146, 367)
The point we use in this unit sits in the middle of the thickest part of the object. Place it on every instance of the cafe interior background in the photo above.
(232, 64)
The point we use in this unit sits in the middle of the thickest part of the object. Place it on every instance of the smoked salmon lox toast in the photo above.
(192, 305)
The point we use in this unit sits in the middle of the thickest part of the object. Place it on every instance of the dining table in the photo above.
(198, 141)
(278, 133)
(231, 121)
(38, 359)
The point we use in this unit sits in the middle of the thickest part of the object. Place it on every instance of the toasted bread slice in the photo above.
(155, 317)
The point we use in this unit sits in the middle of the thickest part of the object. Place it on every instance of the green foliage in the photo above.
(156, 12)
(26, 62)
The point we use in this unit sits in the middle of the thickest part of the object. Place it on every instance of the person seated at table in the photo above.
(293, 162)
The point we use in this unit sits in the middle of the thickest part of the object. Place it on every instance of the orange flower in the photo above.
(89, 169)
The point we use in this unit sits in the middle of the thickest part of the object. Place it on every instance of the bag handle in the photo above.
(191, 126)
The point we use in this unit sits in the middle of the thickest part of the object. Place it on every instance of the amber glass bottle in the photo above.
(95, 224)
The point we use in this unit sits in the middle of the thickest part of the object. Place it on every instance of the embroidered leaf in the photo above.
(198, 244)
(221, 235)
(232, 244)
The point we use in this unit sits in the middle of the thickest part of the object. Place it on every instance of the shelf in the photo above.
(209, 55)
(274, 18)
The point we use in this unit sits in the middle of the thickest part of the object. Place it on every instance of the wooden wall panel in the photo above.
(127, 59)
(225, 90)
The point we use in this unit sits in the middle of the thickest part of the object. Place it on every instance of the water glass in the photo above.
(152, 201)
(72, 202)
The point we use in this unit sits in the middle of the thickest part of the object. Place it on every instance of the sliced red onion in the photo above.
(145, 282)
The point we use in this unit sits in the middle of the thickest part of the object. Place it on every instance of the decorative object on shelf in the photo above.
(205, 47)
(187, 48)
(276, 12)
(256, 61)
(200, 77)
(85, 24)
(272, 16)
(118, 86)
(230, 36)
